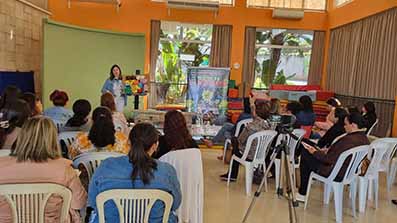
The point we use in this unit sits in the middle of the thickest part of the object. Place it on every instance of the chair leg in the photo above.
(277, 171)
(230, 171)
(362, 193)
(264, 170)
(370, 190)
(338, 198)
(376, 191)
(392, 176)
(224, 150)
(249, 172)
(353, 192)
(309, 185)
(327, 193)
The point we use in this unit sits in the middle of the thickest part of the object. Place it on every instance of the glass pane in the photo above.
(315, 4)
(171, 94)
(258, 3)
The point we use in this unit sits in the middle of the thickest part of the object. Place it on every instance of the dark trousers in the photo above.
(308, 164)
(235, 164)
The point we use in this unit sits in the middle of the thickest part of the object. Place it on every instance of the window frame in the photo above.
(336, 5)
(232, 2)
(303, 3)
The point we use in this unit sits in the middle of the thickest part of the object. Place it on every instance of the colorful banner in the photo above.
(207, 90)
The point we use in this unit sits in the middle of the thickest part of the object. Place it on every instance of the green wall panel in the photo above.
(78, 60)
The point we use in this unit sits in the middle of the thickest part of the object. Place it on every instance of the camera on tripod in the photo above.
(283, 123)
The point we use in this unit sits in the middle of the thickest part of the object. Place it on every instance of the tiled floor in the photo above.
(223, 204)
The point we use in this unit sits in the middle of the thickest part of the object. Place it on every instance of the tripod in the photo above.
(285, 175)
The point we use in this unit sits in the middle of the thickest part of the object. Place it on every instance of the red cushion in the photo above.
(295, 87)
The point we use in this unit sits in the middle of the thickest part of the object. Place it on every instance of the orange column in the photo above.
(395, 120)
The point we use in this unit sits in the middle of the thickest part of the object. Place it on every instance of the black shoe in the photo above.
(394, 202)
(224, 177)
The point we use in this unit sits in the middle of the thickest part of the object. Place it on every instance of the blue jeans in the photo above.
(226, 132)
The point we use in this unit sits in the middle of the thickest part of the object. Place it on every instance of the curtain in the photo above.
(317, 58)
(249, 56)
(221, 46)
(362, 57)
(154, 46)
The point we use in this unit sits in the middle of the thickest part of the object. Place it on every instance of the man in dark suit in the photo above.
(322, 161)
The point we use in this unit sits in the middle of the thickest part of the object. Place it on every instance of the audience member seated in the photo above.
(119, 120)
(176, 134)
(37, 159)
(36, 107)
(12, 116)
(306, 116)
(228, 129)
(59, 112)
(369, 114)
(101, 137)
(80, 120)
(322, 161)
(138, 170)
(260, 113)
(275, 106)
(10, 94)
(337, 129)
(353, 109)
(332, 103)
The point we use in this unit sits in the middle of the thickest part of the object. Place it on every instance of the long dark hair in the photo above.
(307, 103)
(341, 114)
(142, 137)
(31, 99)
(176, 133)
(102, 131)
(15, 114)
(370, 107)
(111, 72)
(81, 109)
(10, 94)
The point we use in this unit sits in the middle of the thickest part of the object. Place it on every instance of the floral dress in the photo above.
(82, 145)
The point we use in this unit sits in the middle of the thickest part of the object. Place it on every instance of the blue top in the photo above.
(108, 87)
(305, 118)
(58, 113)
(115, 173)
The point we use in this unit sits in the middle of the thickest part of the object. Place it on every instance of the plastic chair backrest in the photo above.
(379, 150)
(357, 154)
(134, 205)
(189, 169)
(5, 152)
(372, 127)
(28, 201)
(67, 137)
(91, 160)
(240, 125)
(263, 141)
(294, 143)
(391, 145)
(59, 124)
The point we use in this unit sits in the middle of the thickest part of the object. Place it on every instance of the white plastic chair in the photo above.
(239, 127)
(357, 154)
(67, 138)
(189, 169)
(134, 205)
(28, 201)
(293, 145)
(92, 160)
(59, 124)
(5, 152)
(392, 175)
(372, 127)
(264, 140)
(378, 150)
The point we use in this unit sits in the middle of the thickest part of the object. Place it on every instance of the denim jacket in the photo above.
(108, 87)
(58, 113)
(115, 173)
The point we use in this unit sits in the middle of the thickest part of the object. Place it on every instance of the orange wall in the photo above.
(135, 16)
(356, 10)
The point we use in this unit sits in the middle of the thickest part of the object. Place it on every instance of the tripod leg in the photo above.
(290, 186)
(282, 175)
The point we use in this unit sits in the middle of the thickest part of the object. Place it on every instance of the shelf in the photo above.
(117, 3)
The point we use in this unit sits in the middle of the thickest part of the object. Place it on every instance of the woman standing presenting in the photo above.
(115, 85)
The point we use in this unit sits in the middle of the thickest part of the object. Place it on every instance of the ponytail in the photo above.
(102, 131)
(142, 137)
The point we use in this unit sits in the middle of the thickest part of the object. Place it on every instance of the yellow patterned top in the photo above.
(82, 145)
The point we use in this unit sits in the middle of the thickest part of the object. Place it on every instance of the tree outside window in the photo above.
(181, 46)
(282, 57)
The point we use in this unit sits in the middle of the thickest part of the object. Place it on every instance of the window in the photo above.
(181, 46)
(292, 4)
(222, 2)
(282, 57)
(341, 2)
